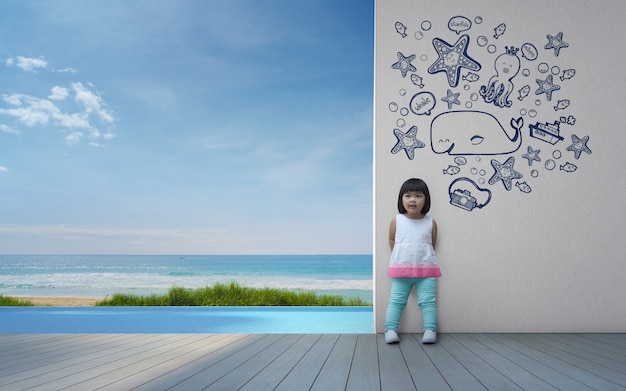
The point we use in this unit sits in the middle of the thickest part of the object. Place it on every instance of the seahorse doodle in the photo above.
(500, 128)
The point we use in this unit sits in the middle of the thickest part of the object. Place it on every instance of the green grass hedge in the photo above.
(231, 294)
(12, 301)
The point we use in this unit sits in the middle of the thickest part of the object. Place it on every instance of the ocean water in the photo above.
(103, 275)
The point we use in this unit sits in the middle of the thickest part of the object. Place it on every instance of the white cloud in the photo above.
(27, 64)
(58, 93)
(73, 71)
(8, 129)
(73, 138)
(91, 101)
(3, 169)
(32, 111)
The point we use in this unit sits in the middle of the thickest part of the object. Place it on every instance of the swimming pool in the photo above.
(231, 320)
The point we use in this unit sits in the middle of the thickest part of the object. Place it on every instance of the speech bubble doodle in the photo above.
(459, 24)
(422, 103)
(529, 51)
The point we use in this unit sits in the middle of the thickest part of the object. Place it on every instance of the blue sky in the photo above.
(192, 127)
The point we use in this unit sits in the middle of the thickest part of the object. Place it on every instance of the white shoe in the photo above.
(430, 336)
(391, 336)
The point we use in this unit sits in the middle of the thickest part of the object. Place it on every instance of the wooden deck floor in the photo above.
(311, 362)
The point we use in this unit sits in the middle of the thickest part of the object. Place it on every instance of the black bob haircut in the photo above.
(414, 184)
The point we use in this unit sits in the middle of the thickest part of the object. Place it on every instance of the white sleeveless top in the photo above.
(413, 254)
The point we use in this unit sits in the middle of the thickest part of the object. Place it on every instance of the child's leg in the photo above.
(427, 300)
(400, 289)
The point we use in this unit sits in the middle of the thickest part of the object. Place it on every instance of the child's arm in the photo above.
(392, 233)
(434, 240)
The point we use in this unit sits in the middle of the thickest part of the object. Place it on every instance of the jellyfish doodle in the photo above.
(500, 86)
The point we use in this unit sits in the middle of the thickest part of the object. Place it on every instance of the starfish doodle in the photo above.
(407, 141)
(504, 172)
(451, 99)
(404, 64)
(556, 43)
(452, 58)
(546, 87)
(532, 155)
(579, 146)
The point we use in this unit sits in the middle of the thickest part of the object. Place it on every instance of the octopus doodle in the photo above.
(500, 86)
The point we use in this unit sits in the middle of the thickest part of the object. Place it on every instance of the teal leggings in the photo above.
(426, 297)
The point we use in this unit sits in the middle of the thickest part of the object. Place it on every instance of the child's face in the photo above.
(413, 202)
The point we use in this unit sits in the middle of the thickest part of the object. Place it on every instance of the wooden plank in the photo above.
(612, 339)
(157, 365)
(243, 373)
(34, 358)
(483, 372)
(364, 373)
(424, 373)
(610, 350)
(304, 373)
(77, 369)
(457, 376)
(565, 368)
(303, 362)
(334, 372)
(232, 359)
(270, 376)
(22, 342)
(208, 356)
(530, 362)
(32, 367)
(394, 373)
(518, 375)
(616, 380)
(612, 354)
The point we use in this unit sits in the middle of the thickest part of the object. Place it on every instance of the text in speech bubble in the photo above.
(459, 24)
(422, 103)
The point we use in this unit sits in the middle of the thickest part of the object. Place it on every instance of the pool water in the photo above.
(230, 320)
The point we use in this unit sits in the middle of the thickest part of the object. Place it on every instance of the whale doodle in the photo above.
(473, 133)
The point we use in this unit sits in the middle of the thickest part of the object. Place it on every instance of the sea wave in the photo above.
(114, 283)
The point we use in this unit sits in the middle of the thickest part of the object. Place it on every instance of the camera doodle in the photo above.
(463, 198)
(466, 125)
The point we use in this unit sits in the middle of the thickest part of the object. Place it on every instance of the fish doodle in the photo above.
(451, 170)
(523, 187)
(471, 77)
(568, 167)
(401, 29)
(567, 74)
(561, 104)
(417, 80)
(498, 31)
(523, 92)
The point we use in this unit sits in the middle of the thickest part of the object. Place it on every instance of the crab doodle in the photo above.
(483, 121)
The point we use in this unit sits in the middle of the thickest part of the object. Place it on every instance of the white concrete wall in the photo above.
(549, 260)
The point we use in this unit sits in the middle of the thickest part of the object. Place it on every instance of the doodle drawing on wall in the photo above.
(501, 127)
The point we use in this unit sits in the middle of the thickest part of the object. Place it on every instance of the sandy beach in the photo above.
(61, 301)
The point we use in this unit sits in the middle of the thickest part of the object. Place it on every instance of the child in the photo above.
(412, 238)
